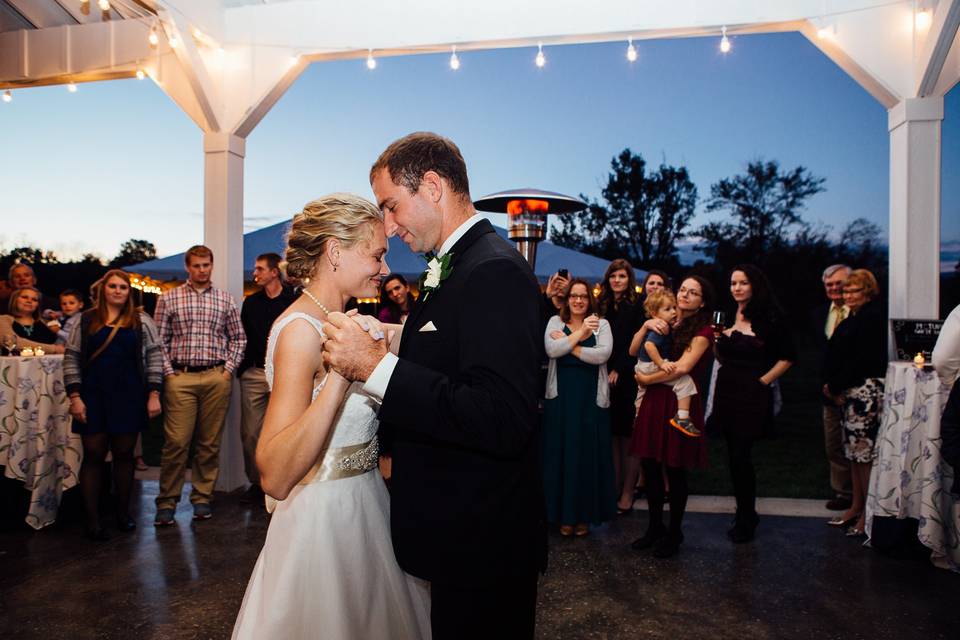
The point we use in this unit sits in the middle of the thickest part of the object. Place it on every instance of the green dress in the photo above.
(578, 478)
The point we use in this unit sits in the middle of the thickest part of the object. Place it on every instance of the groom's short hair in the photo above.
(408, 158)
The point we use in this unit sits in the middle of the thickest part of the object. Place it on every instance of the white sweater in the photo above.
(591, 355)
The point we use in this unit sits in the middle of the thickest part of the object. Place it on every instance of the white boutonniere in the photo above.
(438, 269)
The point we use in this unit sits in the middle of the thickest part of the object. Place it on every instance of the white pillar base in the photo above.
(223, 233)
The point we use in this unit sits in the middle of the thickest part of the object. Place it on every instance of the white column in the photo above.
(223, 233)
(914, 126)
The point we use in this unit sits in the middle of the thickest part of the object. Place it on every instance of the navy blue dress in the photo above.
(112, 390)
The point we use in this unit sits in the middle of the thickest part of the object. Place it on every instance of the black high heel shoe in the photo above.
(125, 523)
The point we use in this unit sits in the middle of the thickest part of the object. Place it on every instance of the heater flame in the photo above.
(516, 207)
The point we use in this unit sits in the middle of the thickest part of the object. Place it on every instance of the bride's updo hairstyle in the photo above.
(343, 216)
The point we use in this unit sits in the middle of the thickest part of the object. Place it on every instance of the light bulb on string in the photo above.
(153, 38)
(140, 73)
(173, 42)
(631, 51)
(923, 20)
(454, 60)
(72, 87)
(7, 96)
(540, 59)
(724, 42)
(104, 5)
(371, 61)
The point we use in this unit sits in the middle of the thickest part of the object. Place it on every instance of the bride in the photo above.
(327, 568)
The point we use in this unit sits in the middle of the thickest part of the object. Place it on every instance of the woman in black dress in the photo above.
(113, 371)
(753, 352)
(856, 365)
(618, 304)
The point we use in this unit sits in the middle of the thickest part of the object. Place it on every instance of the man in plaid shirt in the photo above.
(203, 342)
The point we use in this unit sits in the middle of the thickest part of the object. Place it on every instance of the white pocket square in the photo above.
(428, 327)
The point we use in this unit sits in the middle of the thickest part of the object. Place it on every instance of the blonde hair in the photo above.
(343, 216)
(657, 300)
(863, 278)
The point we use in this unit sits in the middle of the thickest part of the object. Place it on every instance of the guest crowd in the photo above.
(631, 372)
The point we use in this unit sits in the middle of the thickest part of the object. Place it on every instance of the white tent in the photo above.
(227, 62)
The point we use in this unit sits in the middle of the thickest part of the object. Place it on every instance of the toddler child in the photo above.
(663, 305)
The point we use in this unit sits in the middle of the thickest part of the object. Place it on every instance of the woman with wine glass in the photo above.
(113, 371)
(577, 459)
(754, 351)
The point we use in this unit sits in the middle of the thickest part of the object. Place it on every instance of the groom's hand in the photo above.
(350, 350)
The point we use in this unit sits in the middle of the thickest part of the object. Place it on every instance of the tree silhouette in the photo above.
(643, 217)
(763, 205)
(134, 252)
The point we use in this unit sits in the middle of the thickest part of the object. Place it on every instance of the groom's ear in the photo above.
(433, 186)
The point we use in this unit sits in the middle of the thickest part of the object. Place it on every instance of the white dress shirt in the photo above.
(376, 384)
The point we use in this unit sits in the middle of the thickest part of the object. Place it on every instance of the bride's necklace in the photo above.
(317, 302)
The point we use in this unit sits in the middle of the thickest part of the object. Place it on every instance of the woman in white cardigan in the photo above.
(578, 474)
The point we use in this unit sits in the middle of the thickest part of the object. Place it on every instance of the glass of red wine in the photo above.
(719, 321)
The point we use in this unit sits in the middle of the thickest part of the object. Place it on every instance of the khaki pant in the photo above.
(833, 444)
(254, 396)
(193, 404)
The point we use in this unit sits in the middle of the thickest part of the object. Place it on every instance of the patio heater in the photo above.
(527, 211)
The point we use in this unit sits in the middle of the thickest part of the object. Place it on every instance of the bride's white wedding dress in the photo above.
(327, 568)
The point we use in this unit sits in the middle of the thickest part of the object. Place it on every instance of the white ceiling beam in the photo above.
(936, 47)
(194, 69)
(73, 8)
(950, 73)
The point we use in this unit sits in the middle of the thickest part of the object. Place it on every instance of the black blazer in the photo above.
(466, 496)
(858, 349)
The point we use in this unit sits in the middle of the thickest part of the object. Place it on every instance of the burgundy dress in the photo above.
(653, 437)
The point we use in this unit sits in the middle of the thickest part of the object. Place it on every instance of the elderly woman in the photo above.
(24, 321)
(577, 459)
(856, 366)
(113, 370)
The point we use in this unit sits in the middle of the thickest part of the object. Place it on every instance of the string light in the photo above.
(823, 33)
(72, 88)
(153, 38)
(923, 20)
(7, 96)
(371, 61)
(724, 42)
(454, 60)
(140, 74)
(631, 51)
(540, 59)
(104, 5)
(173, 42)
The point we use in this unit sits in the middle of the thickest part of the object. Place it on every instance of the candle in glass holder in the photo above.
(38, 351)
(26, 352)
(918, 360)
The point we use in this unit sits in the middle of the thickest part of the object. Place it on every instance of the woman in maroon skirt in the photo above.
(658, 445)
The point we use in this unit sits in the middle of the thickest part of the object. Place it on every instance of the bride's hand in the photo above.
(368, 323)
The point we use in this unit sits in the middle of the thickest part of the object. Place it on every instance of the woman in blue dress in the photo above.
(578, 478)
(113, 371)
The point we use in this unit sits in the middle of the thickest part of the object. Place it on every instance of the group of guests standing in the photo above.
(628, 377)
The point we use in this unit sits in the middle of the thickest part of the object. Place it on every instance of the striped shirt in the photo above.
(199, 328)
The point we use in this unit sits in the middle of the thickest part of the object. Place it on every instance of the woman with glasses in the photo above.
(577, 459)
(753, 351)
(659, 446)
(856, 365)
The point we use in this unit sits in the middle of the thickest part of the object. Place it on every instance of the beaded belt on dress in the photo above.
(339, 463)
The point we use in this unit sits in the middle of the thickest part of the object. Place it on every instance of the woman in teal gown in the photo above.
(578, 476)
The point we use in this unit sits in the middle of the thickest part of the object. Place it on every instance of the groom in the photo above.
(467, 513)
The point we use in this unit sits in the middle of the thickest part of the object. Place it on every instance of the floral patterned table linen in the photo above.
(37, 446)
(909, 478)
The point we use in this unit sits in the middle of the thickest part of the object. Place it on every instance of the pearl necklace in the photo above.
(317, 302)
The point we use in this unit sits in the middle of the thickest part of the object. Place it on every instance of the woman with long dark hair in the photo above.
(658, 445)
(753, 351)
(396, 300)
(618, 304)
(113, 371)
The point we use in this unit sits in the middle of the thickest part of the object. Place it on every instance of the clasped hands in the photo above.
(354, 346)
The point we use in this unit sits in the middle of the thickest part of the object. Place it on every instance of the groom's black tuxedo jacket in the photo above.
(467, 503)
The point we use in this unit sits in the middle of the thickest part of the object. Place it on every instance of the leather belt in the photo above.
(185, 368)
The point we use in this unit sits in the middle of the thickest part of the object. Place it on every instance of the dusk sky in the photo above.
(83, 172)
